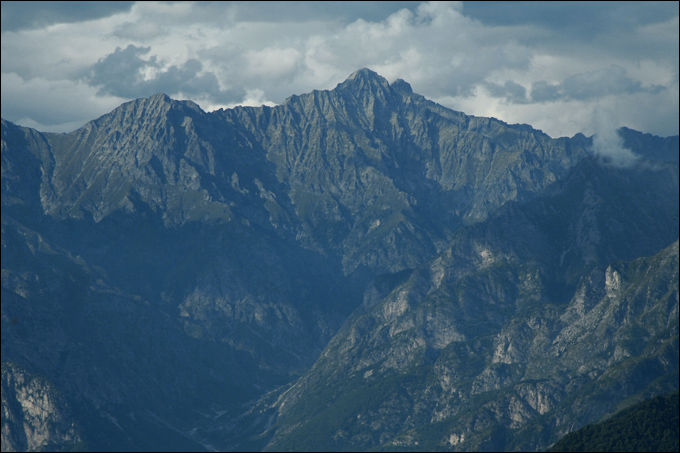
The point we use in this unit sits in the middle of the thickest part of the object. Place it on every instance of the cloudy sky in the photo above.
(563, 67)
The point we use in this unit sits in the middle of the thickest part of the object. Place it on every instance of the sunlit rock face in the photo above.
(35, 414)
(184, 279)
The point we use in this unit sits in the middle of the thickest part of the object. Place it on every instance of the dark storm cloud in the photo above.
(609, 81)
(579, 20)
(186, 79)
(121, 73)
(583, 29)
(542, 91)
(604, 82)
(26, 15)
(513, 92)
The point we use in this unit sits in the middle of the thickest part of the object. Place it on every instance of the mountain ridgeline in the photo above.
(354, 269)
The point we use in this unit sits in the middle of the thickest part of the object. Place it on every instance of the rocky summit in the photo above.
(354, 269)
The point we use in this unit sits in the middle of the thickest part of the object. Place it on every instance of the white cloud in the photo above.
(221, 55)
(52, 106)
(274, 62)
(607, 144)
(253, 98)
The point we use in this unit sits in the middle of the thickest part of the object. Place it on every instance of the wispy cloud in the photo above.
(608, 144)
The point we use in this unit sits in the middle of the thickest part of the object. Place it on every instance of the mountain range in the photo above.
(354, 269)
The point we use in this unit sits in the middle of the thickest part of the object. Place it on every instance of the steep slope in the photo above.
(159, 154)
(651, 425)
(134, 305)
(35, 416)
(525, 328)
(116, 359)
(368, 167)
(357, 176)
(165, 254)
(382, 177)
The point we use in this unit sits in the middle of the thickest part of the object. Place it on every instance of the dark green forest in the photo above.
(651, 425)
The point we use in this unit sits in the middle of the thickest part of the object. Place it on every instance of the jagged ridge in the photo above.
(209, 257)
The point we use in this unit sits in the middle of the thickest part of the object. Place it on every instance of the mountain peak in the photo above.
(149, 108)
(364, 79)
(365, 74)
(160, 99)
(401, 86)
(151, 104)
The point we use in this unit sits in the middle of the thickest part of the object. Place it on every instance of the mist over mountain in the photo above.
(354, 269)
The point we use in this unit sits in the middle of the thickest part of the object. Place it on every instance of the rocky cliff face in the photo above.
(35, 415)
(376, 168)
(503, 342)
(162, 266)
